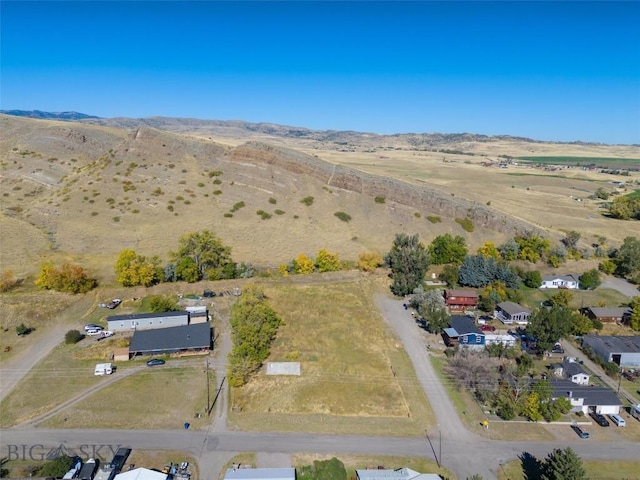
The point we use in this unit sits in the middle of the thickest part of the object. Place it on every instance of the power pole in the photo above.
(208, 390)
(440, 449)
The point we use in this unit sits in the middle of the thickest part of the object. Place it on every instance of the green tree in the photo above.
(328, 261)
(634, 320)
(531, 407)
(625, 208)
(160, 303)
(607, 266)
(532, 247)
(211, 257)
(187, 270)
(563, 465)
(450, 274)
(590, 280)
(72, 336)
(581, 324)
(323, 470)
(447, 249)
(56, 467)
(627, 257)
(561, 299)
(548, 325)
(510, 250)
(408, 260)
(532, 279)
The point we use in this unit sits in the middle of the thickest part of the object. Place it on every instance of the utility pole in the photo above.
(440, 448)
(208, 390)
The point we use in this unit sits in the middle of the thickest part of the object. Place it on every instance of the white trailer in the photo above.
(635, 411)
(103, 369)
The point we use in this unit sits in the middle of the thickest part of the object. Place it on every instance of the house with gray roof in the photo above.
(511, 312)
(624, 351)
(560, 281)
(607, 314)
(397, 474)
(146, 321)
(570, 370)
(260, 474)
(585, 398)
(184, 338)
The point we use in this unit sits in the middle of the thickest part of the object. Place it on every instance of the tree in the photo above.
(160, 303)
(634, 320)
(56, 467)
(531, 407)
(187, 270)
(563, 465)
(532, 247)
(489, 250)
(607, 266)
(590, 280)
(548, 325)
(627, 257)
(304, 265)
(369, 261)
(69, 278)
(430, 307)
(408, 260)
(532, 279)
(581, 324)
(477, 271)
(571, 239)
(449, 275)
(328, 261)
(561, 299)
(133, 269)
(510, 250)
(73, 336)
(22, 329)
(625, 208)
(211, 257)
(447, 249)
(557, 256)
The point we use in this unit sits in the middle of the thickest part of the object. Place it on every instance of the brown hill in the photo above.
(83, 191)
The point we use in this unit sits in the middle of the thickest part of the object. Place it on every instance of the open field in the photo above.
(353, 462)
(608, 162)
(348, 362)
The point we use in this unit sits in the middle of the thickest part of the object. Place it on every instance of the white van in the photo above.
(618, 420)
(103, 369)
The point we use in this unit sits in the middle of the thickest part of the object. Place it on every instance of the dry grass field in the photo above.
(347, 357)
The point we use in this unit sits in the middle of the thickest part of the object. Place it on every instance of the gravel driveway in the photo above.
(621, 285)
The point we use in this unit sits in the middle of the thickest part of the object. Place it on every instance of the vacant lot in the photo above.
(348, 361)
(597, 470)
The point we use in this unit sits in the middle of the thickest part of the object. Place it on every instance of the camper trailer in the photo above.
(103, 369)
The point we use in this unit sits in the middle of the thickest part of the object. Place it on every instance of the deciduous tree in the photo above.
(69, 278)
(627, 257)
(590, 280)
(211, 257)
(634, 320)
(408, 260)
(489, 250)
(304, 265)
(548, 325)
(447, 249)
(328, 261)
(369, 261)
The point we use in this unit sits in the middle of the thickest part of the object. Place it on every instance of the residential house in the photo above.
(571, 370)
(146, 321)
(460, 300)
(184, 338)
(397, 474)
(560, 281)
(260, 474)
(506, 340)
(624, 351)
(607, 314)
(510, 312)
(586, 398)
(463, 332)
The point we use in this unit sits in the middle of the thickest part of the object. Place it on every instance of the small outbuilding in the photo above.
(396, 474)
(141, 474)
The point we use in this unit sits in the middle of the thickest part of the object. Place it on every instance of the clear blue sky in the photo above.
(548, 70)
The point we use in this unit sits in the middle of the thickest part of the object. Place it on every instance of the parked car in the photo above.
(154, 362)
(581, 433)
(487, 328)
(92, 326)
(600, 419)
(93, 332)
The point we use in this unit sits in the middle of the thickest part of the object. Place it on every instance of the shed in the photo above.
(185, 338)
(147, 321)
(121, 354)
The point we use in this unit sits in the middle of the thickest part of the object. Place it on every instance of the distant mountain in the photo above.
(48, 115)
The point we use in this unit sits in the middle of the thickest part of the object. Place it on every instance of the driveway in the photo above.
(621, 285)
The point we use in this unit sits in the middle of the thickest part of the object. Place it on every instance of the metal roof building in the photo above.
(260, 474)
(397, 474)
(146, 321)
(623, 351)
(172, 339)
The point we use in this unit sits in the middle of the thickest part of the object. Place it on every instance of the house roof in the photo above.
(565, 278)
(461, 293)
(591, 394)
(260, 474)
(572, 368)
(451, 332)
(610, 311)
(464, 325)
(614, 344)
(513, 308)
(137, 316)
(397, 474)
(183, 337)
(141, 474)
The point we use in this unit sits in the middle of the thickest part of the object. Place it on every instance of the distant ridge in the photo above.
(48, 115)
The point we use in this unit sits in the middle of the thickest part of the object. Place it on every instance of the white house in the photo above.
(585, 398)
(572, 371)
(560, 281)
(510, 312)
(506, 340)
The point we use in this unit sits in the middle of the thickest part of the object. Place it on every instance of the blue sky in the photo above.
(548, 70)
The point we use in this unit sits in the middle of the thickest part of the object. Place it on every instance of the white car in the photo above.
(93, 332)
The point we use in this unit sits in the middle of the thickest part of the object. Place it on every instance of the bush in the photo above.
(68, 278)
(22, 329)
(434, 219)
(308, 201)
(159, 303)
(73, 336)
(466, 224)
(279, 212)
(237, 206)
(264, 215)
(57, 467)
(345, 217)
(380, 199)
(272, 201)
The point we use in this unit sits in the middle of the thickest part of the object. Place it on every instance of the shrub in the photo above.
(434, 219)
(215, 173)
(237, 206)
(466, 224)
(308, 201)
(279, 212)
(217, 192)
(369, 261)
(272, 201)
(22, 329)
(417, 214)
(7, 281)
(73, 336)
(264, 215)
(228, 215)
(345, 217)
(380, 199)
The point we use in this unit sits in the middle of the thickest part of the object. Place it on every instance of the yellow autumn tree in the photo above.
(328, 261)
(304, 265)
(369, 261)
(489, 250)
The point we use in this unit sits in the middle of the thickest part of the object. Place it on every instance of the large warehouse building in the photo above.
(623, 351)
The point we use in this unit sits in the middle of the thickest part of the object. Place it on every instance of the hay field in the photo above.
(348, 358)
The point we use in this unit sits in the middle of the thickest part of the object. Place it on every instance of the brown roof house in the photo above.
(607, 314)
(459, 300)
